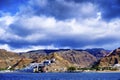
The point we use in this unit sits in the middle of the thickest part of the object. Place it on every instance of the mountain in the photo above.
(7, 55)
(7, 58)
(39, 55)
(64, 58)
(98, 52)
(77, 57)
(111, 59)
(12, 60)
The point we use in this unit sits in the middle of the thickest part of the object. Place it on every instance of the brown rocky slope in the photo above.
(111, 59)
(12, 60)
(78, 58)
(64, 58)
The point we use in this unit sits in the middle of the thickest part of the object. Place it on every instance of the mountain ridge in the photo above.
(67, 57)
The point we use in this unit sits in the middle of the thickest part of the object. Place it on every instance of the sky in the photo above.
(59, 24)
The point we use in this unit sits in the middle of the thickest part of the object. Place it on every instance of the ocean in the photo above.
(60, 76)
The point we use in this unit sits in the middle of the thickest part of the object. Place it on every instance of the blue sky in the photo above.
(53, 24)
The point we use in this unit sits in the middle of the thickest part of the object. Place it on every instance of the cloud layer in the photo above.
(61, 24)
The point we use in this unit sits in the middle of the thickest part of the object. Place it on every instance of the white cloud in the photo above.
(45, 26)
(29, 48)
(99, 16)
(86, 24)
(5, 46)
(6, 20)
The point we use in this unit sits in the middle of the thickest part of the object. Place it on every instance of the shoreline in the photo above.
(9, 71)
(108, 71)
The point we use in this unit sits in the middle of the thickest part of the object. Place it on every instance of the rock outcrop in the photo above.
(111, 59)
(98, 52)
(78, 58)
(11, 60)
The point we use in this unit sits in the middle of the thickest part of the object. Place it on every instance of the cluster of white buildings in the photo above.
(38, 67)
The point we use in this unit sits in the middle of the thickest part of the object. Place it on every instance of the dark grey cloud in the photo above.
(64, 9)
(61, 9)
(19, 30)
(110, 9)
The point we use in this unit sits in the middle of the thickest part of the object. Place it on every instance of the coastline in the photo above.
(9, 71)
(108, 71)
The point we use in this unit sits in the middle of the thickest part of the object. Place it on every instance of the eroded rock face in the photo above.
(12, 59)
(78, 58)
(7, 55)
(98, 52)
(65, 59)
(7, 58)
(111, 59)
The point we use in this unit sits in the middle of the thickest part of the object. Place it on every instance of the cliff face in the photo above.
(98, 52)
(60, 64)
(7, 55)
(35, 56)
(78, 58)
(12, 60)
(111, 59)
(7, 58)
(65, 59)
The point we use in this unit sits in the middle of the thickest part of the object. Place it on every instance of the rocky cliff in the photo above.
(78, 58)
(12, 60)
(7, 58)
(98, 52)
(111, 59)
(68, 58)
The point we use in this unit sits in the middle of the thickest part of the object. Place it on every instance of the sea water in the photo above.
(60, 76)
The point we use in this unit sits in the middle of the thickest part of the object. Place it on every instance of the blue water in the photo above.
(59, 76)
